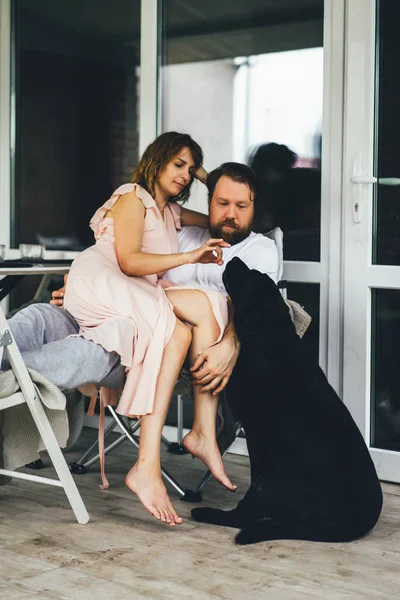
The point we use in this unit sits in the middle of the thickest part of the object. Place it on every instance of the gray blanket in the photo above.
(20, 441)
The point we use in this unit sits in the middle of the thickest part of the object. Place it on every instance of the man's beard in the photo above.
(232, 236)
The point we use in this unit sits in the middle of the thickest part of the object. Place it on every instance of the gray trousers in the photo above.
(41, 332)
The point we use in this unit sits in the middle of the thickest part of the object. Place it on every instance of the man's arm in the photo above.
(192, 218)
(213, 367)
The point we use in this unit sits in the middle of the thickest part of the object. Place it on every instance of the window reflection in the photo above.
(244, 74)
(385, 388)
(76, 68)
(386, 250)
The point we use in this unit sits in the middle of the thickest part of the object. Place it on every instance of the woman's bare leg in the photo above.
(145, 479)
(194, 307)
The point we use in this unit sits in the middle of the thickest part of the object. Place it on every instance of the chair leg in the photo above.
(204, 481)
(80, 467)
(114, 444)
(58, 460)
(180, 420)
(95, 445)
(177, 447)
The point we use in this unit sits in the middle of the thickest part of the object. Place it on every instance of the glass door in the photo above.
(371, 382)
(246, 79)
(242, 76)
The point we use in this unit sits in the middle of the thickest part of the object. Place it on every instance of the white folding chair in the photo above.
(28, 395)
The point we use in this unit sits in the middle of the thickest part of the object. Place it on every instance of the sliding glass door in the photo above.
(372, 229)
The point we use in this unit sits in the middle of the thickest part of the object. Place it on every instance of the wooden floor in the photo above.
(123, 553)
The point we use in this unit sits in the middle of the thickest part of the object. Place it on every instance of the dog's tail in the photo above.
(317, 531)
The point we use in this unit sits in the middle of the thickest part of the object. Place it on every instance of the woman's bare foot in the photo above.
(148, 486)
(197, 444)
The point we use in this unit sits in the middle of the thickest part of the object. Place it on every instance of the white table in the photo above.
(11, 275)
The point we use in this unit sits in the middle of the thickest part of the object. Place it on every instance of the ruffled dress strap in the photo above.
(99, 222)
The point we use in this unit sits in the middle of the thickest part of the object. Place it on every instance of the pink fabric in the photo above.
(130, 315)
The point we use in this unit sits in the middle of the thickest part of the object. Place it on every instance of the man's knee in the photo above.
(72, 362)
(39, 324)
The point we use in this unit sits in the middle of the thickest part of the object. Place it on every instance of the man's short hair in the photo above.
(237, 172)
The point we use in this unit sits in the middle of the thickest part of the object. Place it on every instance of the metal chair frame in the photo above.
(128, 428)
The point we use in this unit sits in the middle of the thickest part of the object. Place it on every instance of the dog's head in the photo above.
(258, 304)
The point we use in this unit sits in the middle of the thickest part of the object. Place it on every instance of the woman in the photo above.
(115, 293)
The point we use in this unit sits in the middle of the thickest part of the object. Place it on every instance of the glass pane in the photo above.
(385, 384)
(386, 247)
(76, 119)
(244, 78)
(307, 295)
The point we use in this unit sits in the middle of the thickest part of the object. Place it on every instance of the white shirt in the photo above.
(256, 251)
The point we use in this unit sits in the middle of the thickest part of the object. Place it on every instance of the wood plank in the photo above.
(125, 553)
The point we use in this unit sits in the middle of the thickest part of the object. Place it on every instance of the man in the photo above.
(41, 330)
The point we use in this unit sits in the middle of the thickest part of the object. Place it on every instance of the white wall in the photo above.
(285, 99)
(198, 99)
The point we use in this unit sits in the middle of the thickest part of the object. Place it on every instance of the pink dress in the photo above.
(130, 315)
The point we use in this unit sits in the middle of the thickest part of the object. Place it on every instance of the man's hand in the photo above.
(57, 296)
(213, 367)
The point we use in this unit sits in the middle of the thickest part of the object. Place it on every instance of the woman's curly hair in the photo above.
(158, 154)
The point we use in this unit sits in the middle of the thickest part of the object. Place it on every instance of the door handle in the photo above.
(363, 179)
(370, 180)
(359, 181)
(389, 181)
(367, 180)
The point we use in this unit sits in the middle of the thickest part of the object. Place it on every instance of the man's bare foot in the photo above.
(197, 444)
(148, 486)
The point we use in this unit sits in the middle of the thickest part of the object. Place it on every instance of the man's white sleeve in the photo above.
(262, 256)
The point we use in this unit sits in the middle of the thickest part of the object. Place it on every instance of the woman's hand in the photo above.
(210, 252)
(201, 174)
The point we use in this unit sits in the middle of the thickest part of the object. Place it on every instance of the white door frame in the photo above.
(5, 122)
(150, 89)
(358, 146)
(327, 273)
(360, 275)
(331, 213)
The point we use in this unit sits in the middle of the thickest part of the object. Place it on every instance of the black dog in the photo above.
(312, 477)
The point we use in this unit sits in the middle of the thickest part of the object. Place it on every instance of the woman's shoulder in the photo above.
(139, 191)
(122, 190)
(125, 188)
